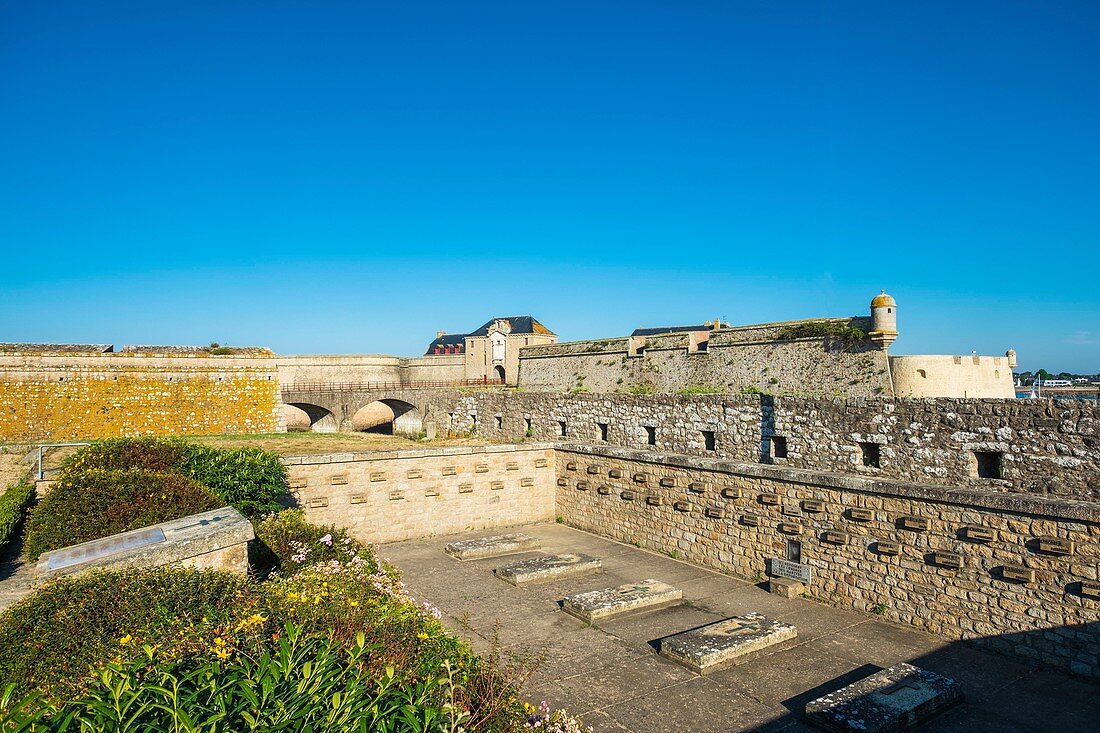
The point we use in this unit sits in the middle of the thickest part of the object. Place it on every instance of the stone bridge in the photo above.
(346, 408)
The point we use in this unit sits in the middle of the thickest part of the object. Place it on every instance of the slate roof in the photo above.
(519, 324)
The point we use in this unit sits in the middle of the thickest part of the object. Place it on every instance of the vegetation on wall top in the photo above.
(841, 332)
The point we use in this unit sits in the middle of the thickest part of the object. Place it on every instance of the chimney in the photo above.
(440, 333)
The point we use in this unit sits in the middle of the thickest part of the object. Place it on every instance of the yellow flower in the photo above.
(421, 636)
(354, 603)
(125, 640)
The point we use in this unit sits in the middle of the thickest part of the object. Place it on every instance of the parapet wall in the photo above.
(961, 563)
(1042, 447)
(732, 360)
(67, 395)
(385, 497)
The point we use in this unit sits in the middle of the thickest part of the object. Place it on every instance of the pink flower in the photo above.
(327, 540)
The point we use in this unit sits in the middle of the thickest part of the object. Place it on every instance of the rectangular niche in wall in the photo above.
(603, 431)
(987, 464)
(708, 440)
(872, 454)
(650, 435)
(528, 428)
(500, 422)
(563, 429)
(777, 446)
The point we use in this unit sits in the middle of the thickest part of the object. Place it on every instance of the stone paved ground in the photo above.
(612, 676)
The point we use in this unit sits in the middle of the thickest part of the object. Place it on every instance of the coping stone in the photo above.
(601, 604)
(894, 699)
(714, 645)
(504, 544)
(548, 567)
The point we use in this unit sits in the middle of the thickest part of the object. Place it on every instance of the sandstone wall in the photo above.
(1044, 447)
(67, 395)
(384, 497)
(1018, 573)
(749, 357)
(956, 376)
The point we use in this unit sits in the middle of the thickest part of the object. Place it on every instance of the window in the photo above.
(528, 428)
(778, 445)
(500, 422)
(650, 435)
(871, 454)
(563, 428)
(603, 431)
(708, 440)
(987, 464)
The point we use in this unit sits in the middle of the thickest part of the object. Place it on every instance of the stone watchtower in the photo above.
(884, 320)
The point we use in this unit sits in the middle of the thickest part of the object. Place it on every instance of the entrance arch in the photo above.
(498, 370)
(304, 417)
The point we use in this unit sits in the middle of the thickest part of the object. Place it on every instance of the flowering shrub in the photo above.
(296, 543)
(552, 721)
(98, 503)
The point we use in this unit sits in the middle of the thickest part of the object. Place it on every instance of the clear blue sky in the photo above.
(325, 177)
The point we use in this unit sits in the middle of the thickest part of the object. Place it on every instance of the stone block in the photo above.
(527, 482)
(731, 492)
(857, 514)
(541, 463)
(978, 533)
(833, 537)
(511, 466)
(950, 560)
(594, 469)
(786, 587)
(571, 466)
(603, 490)
(1018, 573)
(813, 506)
(563, 481)
(615, 473)
(481, 468)
(887, 548)
(715, 512)
(496, 485)
(654, 500)
(414, 473)
(899, 698)
(641, 478)
(358, 499)
(450, 470)
(914, 524)
(697, 487)
(582, 486)
(1054, 546)
(668, 482)
(317, 502)
(716, 645)
(548, 567)
(603, 604)
(770, 499)
(485, 547)
(340, 479)
(750, 520)
(378, 476)
(465, 488)
(627, 495)
(682, 506)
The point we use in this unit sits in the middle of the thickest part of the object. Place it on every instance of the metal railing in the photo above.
(40, 471)
(349, 386)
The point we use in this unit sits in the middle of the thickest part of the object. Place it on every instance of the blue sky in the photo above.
(350, 177)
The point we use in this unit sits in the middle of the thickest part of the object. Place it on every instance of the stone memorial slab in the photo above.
(731, 492)
(978, 533)
(712, 646)
(786, 569)
(603, 604)
(770, 499)
(485, 547)
(814, 506)
(860, 515)
(895, 699)
(548, 567)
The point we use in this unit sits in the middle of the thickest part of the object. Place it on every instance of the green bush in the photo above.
(250, 479)
(98, 503)
(52, 638)
(306, 682)
(845, 334)
(13, 507)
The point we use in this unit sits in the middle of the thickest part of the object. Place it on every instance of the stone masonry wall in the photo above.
(1017, 573)
(730, 360)
(1044, 447)
(67, 396)
(385, 497)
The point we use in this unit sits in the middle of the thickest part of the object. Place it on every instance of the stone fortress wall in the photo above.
(356, 369)
(57, 393)
(745, 358)
(1017, 573)
(399, 495)
(1049, 447)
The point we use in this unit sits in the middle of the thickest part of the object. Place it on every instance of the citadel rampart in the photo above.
(1025, 446)
(52, 394)
(748, 357)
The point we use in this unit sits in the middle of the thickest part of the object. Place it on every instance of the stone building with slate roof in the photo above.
(492, 351)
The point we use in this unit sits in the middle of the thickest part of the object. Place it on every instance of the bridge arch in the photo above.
(306, 417)
(389, 416)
